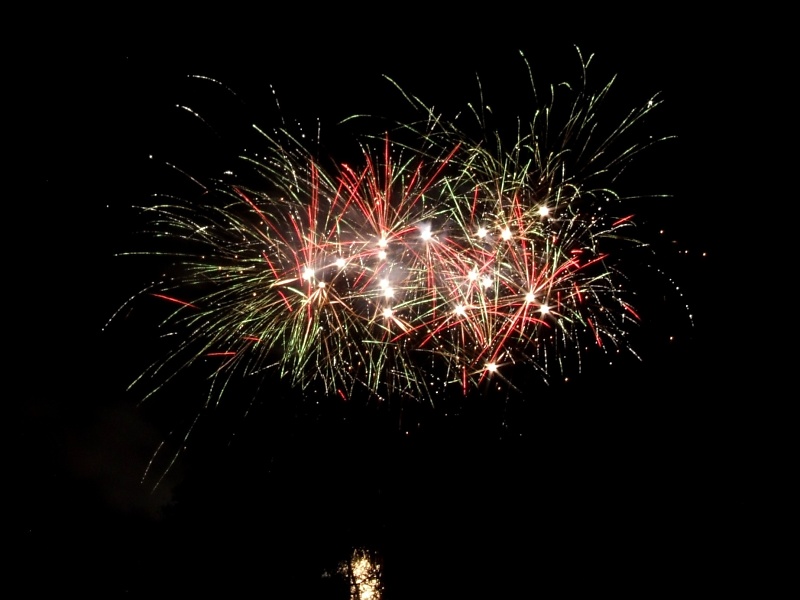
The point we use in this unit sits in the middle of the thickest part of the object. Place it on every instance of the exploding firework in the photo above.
(436, 262)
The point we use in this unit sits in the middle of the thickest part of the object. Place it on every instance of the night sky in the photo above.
(636, 476)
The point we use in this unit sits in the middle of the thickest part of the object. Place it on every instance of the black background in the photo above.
(639, 477)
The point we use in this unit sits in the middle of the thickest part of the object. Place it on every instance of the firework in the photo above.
(434, 263)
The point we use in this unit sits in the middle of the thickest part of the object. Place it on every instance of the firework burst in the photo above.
(431, 264)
